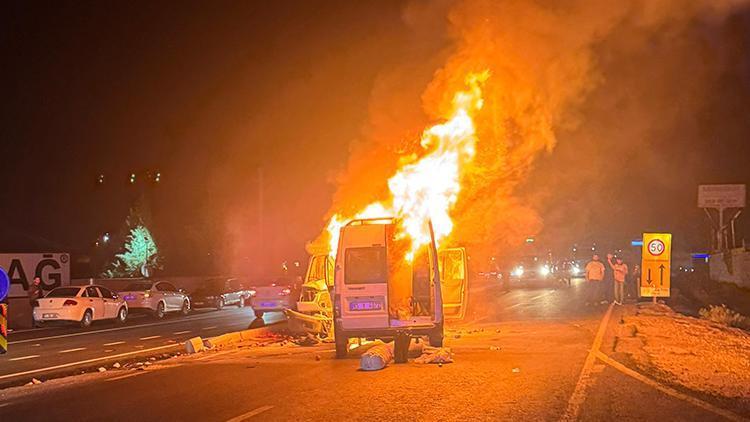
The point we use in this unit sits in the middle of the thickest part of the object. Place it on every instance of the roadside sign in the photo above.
(4, 288)
(656, 264)
(721, 196)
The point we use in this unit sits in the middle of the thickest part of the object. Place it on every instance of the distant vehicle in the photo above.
(378, 294)
(530, 269)
(220, 292)
(156, 298)
(275, 297)
(82, 305)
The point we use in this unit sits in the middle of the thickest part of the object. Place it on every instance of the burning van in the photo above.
(382, 290)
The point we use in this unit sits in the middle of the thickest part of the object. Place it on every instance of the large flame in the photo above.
(426, 188)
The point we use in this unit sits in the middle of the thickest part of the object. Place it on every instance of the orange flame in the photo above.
(426, 188)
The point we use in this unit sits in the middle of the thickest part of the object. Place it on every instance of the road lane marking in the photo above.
(83, 362)
(200, 317)
(148, 338)
(181, 332)
(209, 328)
(667, 390)
(25, 357)
(114, 343)
(579, 393)
(121, 377)
(72, 350)
(530, 299)
(250, 414)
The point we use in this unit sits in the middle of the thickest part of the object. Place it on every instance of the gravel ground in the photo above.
(697, 354)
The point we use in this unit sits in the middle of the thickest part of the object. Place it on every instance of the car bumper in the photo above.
(135, 305)
(58, 314)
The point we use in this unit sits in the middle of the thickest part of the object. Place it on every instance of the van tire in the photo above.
(401, 348)
(436, 336)
(342, 343)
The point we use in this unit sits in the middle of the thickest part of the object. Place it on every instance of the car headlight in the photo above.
(544, 270)
(575, 270)
(517, 272)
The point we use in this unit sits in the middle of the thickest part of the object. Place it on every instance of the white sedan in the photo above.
(81, 304)
(156, 298)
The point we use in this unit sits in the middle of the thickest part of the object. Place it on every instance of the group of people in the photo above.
(595, 273)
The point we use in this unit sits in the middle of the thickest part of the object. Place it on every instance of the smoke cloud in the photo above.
(545, 60)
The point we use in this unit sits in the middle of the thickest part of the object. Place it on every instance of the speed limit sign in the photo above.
(656, 265)
(656, 247)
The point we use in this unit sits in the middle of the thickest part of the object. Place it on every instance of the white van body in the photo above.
(378, 294)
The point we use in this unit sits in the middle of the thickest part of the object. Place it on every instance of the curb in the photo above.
(197, 344)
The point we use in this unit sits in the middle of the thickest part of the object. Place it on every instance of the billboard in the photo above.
(52, 268)
(721, 196)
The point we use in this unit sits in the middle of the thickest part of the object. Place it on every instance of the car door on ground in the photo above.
(95, 302)
(111, 304)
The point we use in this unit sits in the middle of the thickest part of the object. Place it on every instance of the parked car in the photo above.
(156, 298)
(274, 297)
(82, 305)
(220, 292)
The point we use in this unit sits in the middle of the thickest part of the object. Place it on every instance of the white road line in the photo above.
(83, 333)
(579, 393)
(83, 362)
(667, 390)
(25, 357)
(114, 343)
(209, 328)
(126, 376)
(181, 332)
(148, 338)
(72, 350)
(250, 414)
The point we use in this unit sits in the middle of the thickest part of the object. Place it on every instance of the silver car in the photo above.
(155, 297)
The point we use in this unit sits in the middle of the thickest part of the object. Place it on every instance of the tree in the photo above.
(140, 254)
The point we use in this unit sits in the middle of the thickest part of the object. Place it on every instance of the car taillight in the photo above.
(70, 302)
(337, 306)
(147, 294)
(285, 291)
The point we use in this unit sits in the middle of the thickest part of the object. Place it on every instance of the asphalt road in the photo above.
(522, 355)
(49, 351)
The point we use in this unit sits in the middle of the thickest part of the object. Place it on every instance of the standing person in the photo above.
(35, 293)
(635, 289)
(594, 275)
(620, 271)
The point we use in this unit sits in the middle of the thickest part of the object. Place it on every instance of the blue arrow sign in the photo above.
(4, 284)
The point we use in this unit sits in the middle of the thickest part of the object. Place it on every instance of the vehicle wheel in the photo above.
(87, 319)
(159, 312)
(241, 303)
(122, 315)
(342, 343)
(436, 336)
(220, 304)
(401, 348)
(185, 308)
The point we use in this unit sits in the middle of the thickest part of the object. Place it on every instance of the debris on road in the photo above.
(194, 345)
(378, 357)
(494, 348)
(516, 370)
(116, 365)
(438, 355)
(102, 369)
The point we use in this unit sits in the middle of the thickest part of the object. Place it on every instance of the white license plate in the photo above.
(267, 304)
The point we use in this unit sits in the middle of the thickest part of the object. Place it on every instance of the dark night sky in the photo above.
(207, 92)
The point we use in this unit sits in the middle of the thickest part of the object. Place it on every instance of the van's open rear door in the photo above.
(454, 280)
